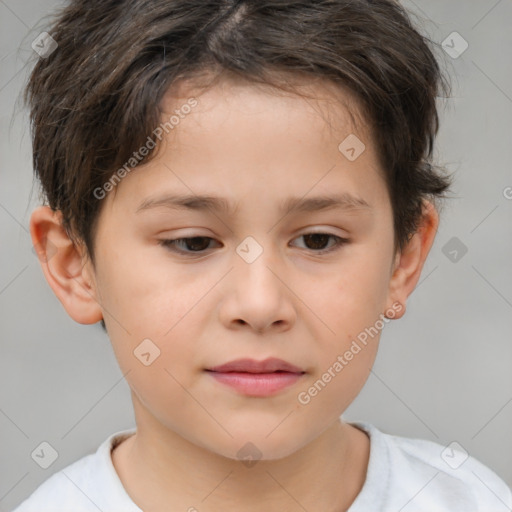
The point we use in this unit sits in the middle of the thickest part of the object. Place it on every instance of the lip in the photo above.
(257, 378)
(269, 365)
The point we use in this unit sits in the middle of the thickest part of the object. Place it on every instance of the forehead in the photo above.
(328, 104)
(243, 139)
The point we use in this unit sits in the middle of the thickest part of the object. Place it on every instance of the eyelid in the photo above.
(171, 244)
(340, 241)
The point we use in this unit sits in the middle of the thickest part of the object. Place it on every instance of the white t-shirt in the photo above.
(406, 475)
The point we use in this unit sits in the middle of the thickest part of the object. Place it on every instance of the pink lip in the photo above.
(257, 378)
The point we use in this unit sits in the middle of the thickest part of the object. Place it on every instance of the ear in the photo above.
(65, 265)
(409, 261)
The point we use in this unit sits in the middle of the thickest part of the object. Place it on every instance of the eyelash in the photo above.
(171, 244)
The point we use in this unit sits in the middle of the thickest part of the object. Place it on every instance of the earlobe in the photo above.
(63, 265)
(409, 262)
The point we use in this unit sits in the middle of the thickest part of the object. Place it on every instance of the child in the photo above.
(260, 129)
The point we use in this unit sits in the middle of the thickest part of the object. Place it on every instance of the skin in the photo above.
(201, 311)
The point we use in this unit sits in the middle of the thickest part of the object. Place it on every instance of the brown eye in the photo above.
(196, 244)
(317, 242)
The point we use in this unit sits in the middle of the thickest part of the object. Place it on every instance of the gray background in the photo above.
(443, 371)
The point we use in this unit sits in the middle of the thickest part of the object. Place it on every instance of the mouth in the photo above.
(257, 378)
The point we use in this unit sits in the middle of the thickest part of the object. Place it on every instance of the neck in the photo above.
(161, 470)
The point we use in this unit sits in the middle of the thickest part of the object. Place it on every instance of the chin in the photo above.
(257, 447)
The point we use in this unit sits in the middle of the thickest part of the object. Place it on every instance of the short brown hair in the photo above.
(96, 97)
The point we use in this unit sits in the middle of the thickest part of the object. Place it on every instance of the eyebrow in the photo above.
(343, 201)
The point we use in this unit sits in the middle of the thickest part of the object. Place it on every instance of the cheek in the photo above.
(158, 353)
(138, 312)
(351, 308)
(343, 366)
(151, 303)
(358, 293)
(139, 293)
(368, 269)
(161, 384)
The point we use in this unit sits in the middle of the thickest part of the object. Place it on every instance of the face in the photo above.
(205, 285)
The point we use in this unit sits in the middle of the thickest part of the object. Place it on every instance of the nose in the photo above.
(257, 296)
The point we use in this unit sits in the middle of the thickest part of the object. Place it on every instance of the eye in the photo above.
(318, 241)
(199, 244)
(196, 244)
